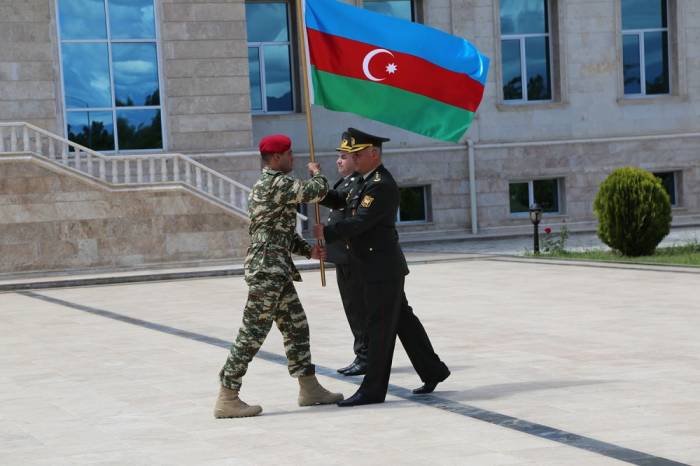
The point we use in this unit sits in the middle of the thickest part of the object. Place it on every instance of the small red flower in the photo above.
(548, 230)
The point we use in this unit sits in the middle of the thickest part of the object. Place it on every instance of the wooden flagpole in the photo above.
(307, 109)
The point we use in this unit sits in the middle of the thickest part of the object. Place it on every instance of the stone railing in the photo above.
(128, 170)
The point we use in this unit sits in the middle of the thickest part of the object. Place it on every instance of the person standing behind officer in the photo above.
(371, 234)
(270, 273)
(349, 281)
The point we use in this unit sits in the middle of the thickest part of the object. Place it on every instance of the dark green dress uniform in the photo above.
(374, 243)
(349, 280)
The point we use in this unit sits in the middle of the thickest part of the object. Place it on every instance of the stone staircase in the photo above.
(128, 171)
(125, 171)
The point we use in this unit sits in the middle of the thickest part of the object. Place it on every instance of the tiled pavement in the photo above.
(552, 364)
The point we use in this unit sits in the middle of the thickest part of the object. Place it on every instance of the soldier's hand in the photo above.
(318, 252)
(318, 231)
(313, 168)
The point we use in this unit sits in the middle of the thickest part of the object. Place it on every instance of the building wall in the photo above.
(592, 102)
(52, 221)
(205, 67)
(204, 70)
(28, 63)
(206, 104)
(589, 104)
(583, 166)
(444, 172)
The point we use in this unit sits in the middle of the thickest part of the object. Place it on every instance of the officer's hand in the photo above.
(313, 168)
(318, 231)
(318, 252)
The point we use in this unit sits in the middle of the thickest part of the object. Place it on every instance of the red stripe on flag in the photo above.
(347, 57)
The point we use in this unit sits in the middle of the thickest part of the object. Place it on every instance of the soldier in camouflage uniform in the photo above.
(269, 273)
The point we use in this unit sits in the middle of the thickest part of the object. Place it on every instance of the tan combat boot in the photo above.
(312, 393)
(229, 405)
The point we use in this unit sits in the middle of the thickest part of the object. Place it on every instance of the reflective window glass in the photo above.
(523, 17)
(82, 19)
(132, 19)
(139, 129)
(135, 74)
(254, 76)
(656, 62)
(519, 197)
(412, 204)
(546, 194)
(103, 72)
(91, 129)
(643, 14)
(645, 54)
(631, 68)
(512, 79)
(86, 75)
(267, 22)
(537, 62)
(269, 57)
(278, 78)
(397, 8)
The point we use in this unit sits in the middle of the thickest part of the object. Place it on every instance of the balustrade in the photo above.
(17, 137)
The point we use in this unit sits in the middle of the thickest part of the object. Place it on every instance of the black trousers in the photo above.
(351, 290)
(389, 316)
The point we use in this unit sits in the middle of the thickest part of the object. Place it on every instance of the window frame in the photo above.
(294, 68)
(425, 188)
(531, 196)
(640, 34)
(677, 179)
(554, 89)
(114, 108)
(416, 15)
(678, 85)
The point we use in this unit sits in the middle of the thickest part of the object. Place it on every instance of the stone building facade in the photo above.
(576, 88)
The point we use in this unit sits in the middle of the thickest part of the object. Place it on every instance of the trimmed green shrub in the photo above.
(633, 210)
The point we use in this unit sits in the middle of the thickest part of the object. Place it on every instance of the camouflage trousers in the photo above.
(270, 298)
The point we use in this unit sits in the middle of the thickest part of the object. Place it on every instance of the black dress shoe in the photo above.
(358, 399)
(429, 387)
(342, 370)
(359, 368)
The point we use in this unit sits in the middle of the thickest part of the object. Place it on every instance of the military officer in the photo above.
(371, 234)
(349, 282)
(269, 273)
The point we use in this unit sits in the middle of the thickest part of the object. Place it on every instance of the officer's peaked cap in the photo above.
(354, 140)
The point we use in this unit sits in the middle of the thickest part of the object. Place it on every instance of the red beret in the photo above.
(274, 144)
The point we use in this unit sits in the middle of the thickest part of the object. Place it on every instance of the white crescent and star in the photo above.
(390, 68)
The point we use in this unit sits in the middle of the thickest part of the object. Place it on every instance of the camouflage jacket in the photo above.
(272, 207)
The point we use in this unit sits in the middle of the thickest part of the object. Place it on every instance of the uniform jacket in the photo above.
(272, 207)
(370, 229)
(336, 199)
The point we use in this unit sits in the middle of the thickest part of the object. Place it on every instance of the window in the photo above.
(546, 193)
(645, 50)
(269, 57)
(668, 179)
(525, 50)
(403, 9)
(109, 63)
(413, 204)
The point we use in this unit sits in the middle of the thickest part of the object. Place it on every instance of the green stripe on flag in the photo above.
(390, 105)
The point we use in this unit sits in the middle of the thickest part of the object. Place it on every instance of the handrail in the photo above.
(117, 169)
(125, 170)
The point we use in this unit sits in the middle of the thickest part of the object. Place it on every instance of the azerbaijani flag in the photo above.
(391, 70)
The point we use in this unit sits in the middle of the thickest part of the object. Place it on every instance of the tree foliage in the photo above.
(633, 210)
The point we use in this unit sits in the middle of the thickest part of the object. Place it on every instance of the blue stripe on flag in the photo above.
(450, 52)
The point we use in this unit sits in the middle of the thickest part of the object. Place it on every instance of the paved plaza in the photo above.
(552, 364)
